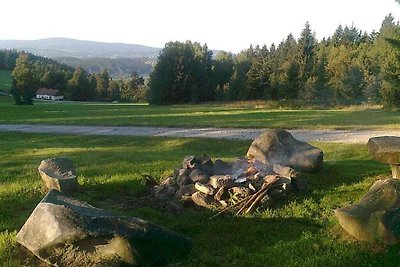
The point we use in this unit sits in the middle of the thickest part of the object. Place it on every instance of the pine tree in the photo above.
(306, 43)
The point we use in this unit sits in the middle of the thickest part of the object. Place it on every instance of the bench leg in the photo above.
(395, 171)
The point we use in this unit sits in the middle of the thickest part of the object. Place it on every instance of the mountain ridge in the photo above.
(58, 47)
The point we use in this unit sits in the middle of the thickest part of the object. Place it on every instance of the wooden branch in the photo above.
(258, 199)
(230, 207)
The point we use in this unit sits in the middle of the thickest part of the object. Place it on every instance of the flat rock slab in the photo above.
(63, 231)
(385, 149)
(376, 217)
(59, 174)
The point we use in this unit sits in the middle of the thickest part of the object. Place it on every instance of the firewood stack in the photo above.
(242, 185)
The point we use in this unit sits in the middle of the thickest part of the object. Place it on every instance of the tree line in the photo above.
(349, 67)
(31, 72)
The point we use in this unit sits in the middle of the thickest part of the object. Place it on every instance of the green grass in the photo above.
(299, 232)
(247, 115)
(5, 80)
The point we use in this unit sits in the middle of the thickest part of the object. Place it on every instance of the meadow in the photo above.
(258, 114)
(301, 231)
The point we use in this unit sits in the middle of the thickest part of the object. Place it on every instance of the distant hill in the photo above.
(64, 47)
(119, 59)
(115, 66)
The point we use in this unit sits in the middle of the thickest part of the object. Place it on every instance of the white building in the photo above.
(49, 94)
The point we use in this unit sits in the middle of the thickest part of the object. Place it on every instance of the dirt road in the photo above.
(339, 136)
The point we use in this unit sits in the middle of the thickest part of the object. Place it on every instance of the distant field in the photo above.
(5, 80)
(242, 115)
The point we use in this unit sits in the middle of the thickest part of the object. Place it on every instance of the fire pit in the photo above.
(244, 184)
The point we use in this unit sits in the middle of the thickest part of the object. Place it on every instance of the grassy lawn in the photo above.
(299, 232)
(242, 115)
(5, 80)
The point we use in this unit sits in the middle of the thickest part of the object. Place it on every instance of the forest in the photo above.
(349, 67)
(31, 72)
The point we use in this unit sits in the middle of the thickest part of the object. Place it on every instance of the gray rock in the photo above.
(204, 200)
(284, 171)
(221, 194)
(218, 181)
(205, 164)
(204, 188)
(280, 147)
(169, 181)
(199, 176)
(183, 172)
(376, 217)
(204, 161)
(183, 179)
(240, 191)
(188, 162)
(65, 232)
(186, 190)
(59, 174)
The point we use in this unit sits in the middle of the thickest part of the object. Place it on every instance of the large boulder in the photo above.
(59, 174)
(65, 232)
(376, 217)
(280, 147)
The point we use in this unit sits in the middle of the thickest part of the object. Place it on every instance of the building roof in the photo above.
(47, 91)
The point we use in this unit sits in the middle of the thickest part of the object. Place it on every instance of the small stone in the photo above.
(205, 161)
(270, 178)
(250, 171)
(183, 180)
(199, 176)
(218, 181)
(223, 203)
(206, 189)
(261, 174)
(284, 171)
(186, 199)
(188, 162)
(221, 194)
(182, 172)
(186, 190)
(240, 190)
(204, 200)
(167, 181)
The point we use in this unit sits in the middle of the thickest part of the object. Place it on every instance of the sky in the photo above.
(230, 25)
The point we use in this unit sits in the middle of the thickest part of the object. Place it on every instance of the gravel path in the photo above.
(339, 136)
